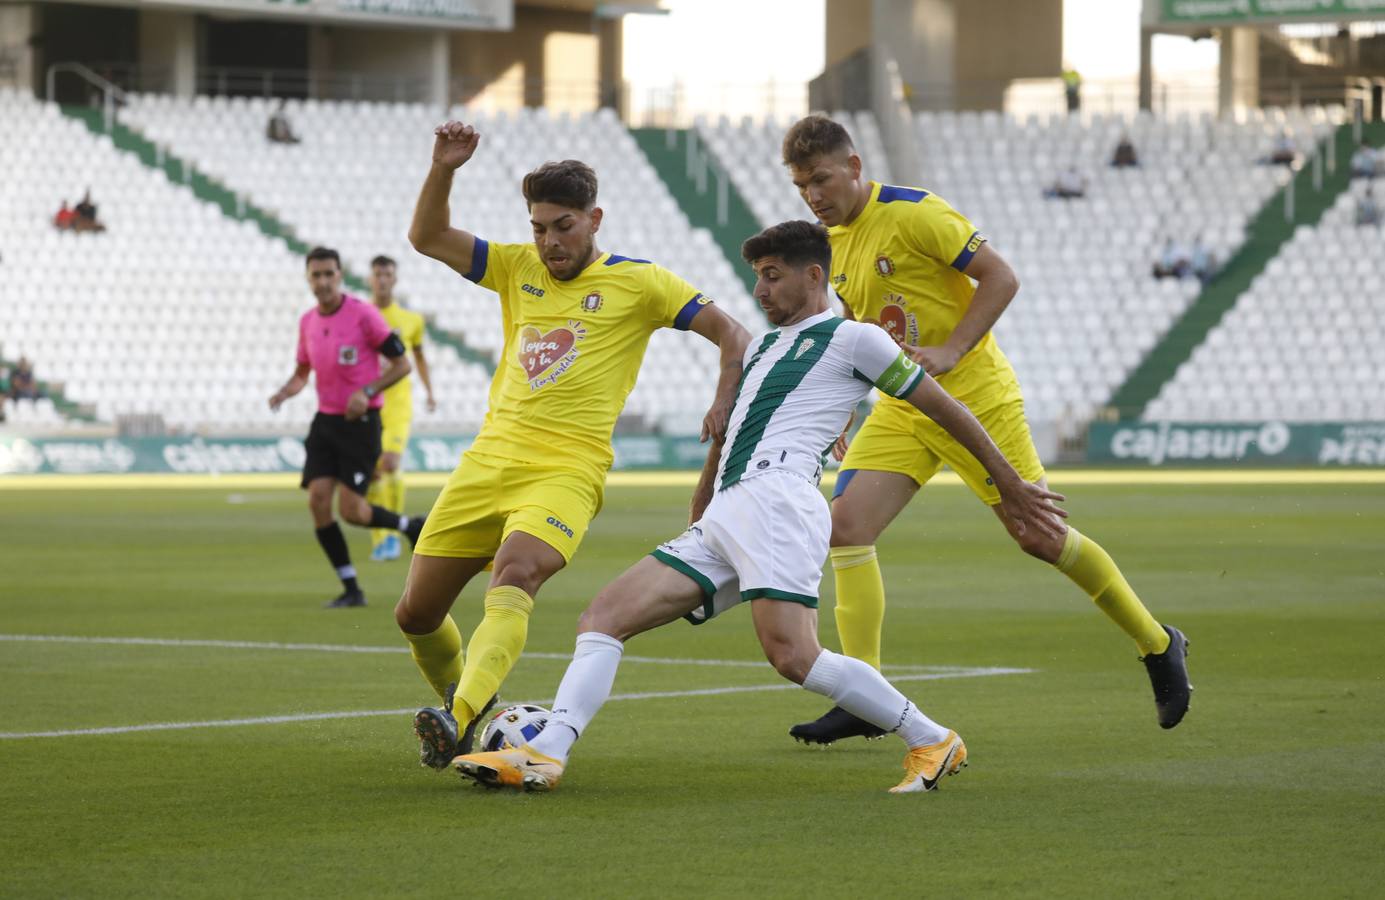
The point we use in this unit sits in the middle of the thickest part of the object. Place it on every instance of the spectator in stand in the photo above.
(65, 218)
(85, 218)
(1285, 153)
(1125, 156)
(1070, 185)
(1365, 162)
(279, 131)
(1072, 89)
(1174, 262)
(1202, 261)
(1367, 212)
(22, 383)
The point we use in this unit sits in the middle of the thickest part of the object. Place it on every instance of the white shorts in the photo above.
(764, 536)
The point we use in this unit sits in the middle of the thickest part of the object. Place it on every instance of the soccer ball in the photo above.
(513, 726)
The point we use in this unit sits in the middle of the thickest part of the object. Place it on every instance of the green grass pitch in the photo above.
(1273, 785)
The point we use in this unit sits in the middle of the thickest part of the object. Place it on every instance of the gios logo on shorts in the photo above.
(559, 525)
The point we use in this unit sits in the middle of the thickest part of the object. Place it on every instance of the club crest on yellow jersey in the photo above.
(884, 266)
(545, 357)
(592, 302)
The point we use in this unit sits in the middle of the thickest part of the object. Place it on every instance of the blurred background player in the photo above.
(387, 485)
(762, 536)
(341, 341)
(577, 322)
(903, 259)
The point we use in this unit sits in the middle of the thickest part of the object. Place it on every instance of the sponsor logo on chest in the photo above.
(546, 356)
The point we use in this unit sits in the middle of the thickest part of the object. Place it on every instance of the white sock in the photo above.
(584, 689)
(864, 692)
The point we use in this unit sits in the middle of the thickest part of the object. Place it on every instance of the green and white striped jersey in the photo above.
(799, 386)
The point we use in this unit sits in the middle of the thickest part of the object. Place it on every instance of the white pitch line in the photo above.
(398, 648)
(319, 717)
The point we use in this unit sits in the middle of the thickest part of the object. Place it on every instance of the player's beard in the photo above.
(577, 263)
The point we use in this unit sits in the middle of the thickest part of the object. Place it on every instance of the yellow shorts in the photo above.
(487, 499)
(394, 435)
(899, 438)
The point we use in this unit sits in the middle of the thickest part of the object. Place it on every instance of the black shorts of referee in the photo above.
(346, 450)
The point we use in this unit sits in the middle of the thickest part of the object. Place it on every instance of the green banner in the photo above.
(1233, 11)
(235, 456)
(1237, 443)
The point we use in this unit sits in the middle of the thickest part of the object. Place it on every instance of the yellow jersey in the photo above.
(399, 398)
(572, 351)
(899, 264)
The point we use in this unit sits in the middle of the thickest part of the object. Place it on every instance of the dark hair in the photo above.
(799, 244)
(568, 183)
(383, 260)
(814, 136)
(323, 253)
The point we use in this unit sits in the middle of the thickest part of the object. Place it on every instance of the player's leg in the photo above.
(435, 643)
(382, 493)
(546, 517)
(647, 595)
(788, 633)
(1163, 648)
(882, 471)
(359, 452)
(462, 535)
(1077, 556)
(333, 542)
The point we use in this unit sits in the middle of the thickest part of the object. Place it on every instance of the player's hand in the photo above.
(453, 144)
(357, 405)
(432, 404)
(936, 361)
(714, 423)
(839, 447)
(276, 400)
(1034, 506)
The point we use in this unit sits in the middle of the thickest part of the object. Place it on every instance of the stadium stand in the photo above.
(1088, 309)
(1303, 343)
(353, 180)
(176, 310)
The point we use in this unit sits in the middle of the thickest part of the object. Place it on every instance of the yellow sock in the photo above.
(860, 602)
(378, 495)
(495, 646)
(439, 655)
(396, 492)
(1092, 569)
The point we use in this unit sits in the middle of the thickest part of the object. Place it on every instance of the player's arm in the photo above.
(421, 367)
(732, 339)
(1030, 505)
(996, 286)
(291, 387)
(431, 232)
(944, 234)
(393, 350)
(706, 482)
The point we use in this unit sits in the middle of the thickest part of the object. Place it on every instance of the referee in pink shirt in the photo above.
(342, 340)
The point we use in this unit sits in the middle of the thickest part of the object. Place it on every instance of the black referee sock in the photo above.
(384, 518)
(334, 545)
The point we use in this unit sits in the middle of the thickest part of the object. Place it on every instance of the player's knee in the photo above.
(1039, 546)
(788, 659)
(522, 572)
(849, 530)
(356, 511)
(412, 621)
